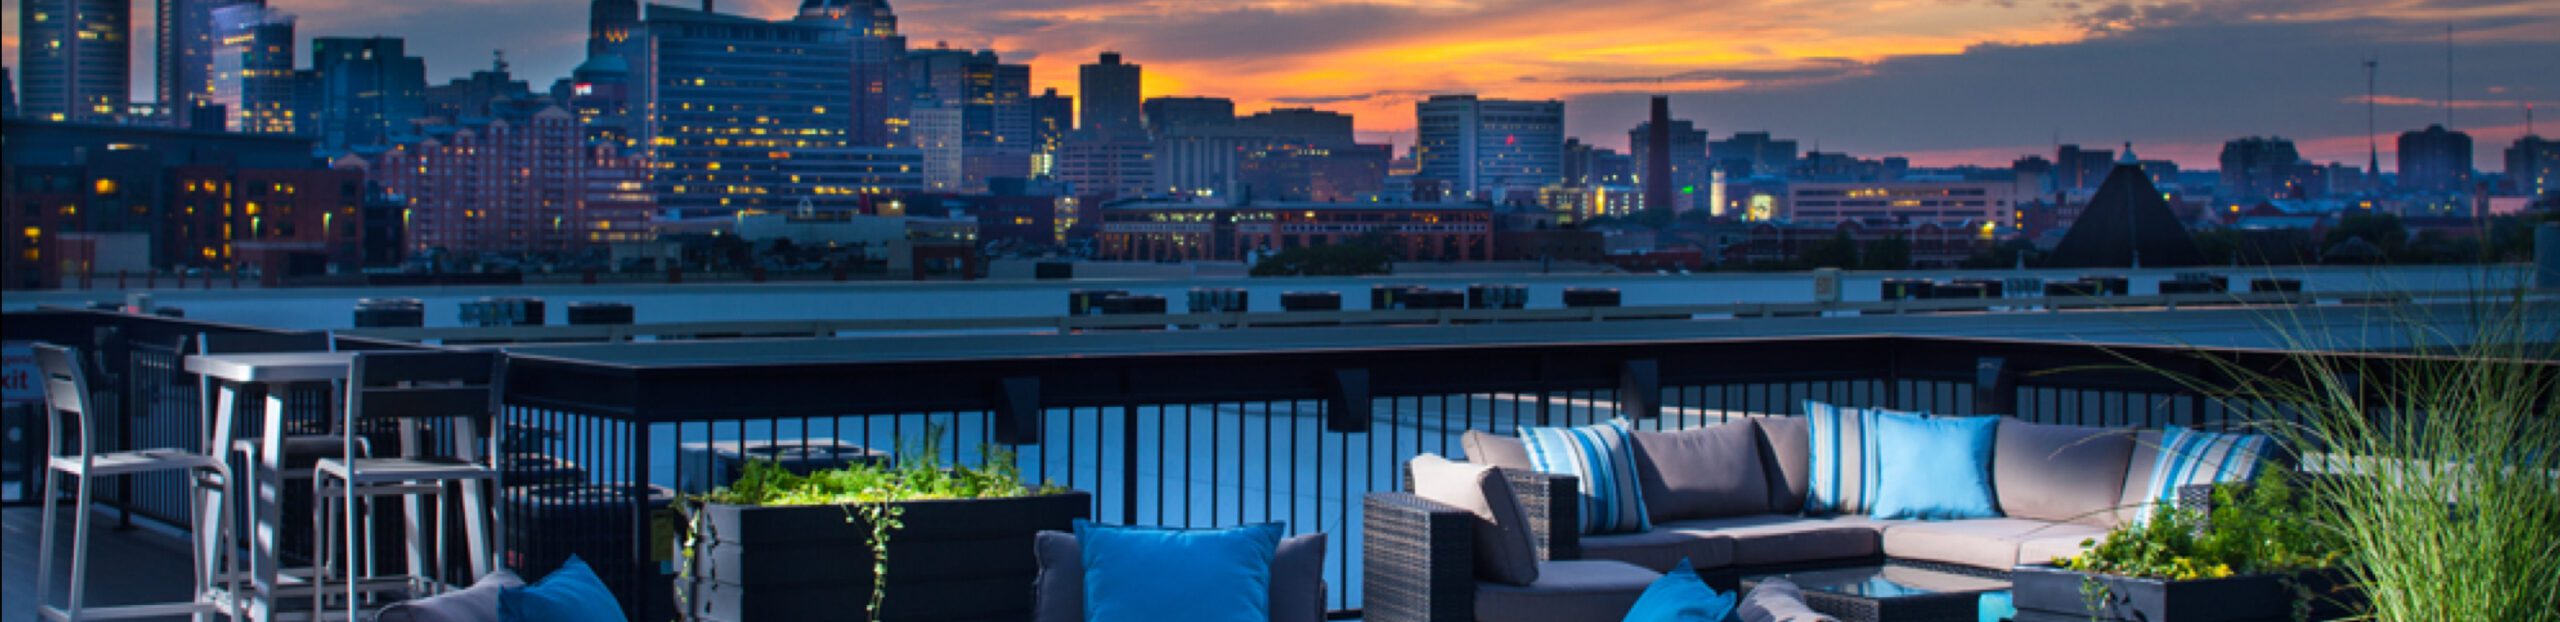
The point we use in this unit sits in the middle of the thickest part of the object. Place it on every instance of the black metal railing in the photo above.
(1189, 439)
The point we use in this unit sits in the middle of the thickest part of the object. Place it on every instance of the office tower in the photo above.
(998, 129)
(1591, 166)
(1685, 164)
(73, 56)
(371, 89)
(610, 24)
(2256, 168)
(1110, 91)
(881, 93)
(1105, 166)
(1297, 171)
(184, 51)
(1651, 141)
(1754, 154)
(2435, 160)
(1165, 114)
(1054, 116)
(1491, 149)
(743, 114)
(253, 76)
(1315, 127)
(2533, 165)
(2081, 169)
(490, 186)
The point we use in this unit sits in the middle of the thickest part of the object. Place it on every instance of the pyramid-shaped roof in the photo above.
(2127, 214)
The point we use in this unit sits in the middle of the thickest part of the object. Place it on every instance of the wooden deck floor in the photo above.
(141, 565)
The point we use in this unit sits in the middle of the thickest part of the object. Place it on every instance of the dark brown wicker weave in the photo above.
(1419, 558)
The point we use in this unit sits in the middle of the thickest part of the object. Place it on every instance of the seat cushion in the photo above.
(1661, 549)
(2060, 473)
(1786, 457)
(2045, 550)
(1786, 539)
(1702, 473)
(1984, 543)
(1567, 591)
(1495, 449)
(1297, 579)
(1505, 550)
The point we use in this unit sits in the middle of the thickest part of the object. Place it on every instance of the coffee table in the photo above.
(1892, 592)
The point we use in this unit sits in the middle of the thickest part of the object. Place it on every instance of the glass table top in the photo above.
(1886, 581)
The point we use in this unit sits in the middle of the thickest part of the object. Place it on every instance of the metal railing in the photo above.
(1174, 438)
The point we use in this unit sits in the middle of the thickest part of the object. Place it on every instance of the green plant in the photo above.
(2445, 494)
(870, 493)
(2252, 529)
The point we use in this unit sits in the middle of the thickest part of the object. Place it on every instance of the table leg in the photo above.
(267, 508)
(213, 545)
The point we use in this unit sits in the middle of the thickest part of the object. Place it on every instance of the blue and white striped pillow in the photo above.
(1603, 457)
(1844, 469)
(2189, 458)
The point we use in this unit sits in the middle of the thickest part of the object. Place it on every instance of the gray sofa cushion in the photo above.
(1661, 548)
(1780, 539)
(1494, 449)
(1505, 550)
(1984, 543)
(2060, 473)
(1787, 458)
(2045, 550)
(1297, 579)
(1702, 473)
(1567, 591)
(2137, 476)
(478, 603)
(1777, 600)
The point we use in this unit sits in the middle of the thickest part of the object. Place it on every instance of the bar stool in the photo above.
(457, 393)
(66, 390)
(301, 451)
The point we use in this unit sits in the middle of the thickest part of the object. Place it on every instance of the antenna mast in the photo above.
(2372, 135)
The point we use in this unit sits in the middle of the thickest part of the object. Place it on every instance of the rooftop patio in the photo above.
(1170, 427)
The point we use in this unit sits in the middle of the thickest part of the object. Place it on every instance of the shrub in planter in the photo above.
(914, 540)
(2250, 557)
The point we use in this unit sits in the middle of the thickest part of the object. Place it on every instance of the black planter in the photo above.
(2051, 593)
(954, 560)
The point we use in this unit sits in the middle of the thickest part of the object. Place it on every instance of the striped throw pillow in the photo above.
(1844, 469)
(2190, 457)
(1603, 458)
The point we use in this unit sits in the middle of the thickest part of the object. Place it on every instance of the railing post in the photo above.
(1640, 389)
(1017, 411)
(1347, 402)
(642, 537)
(1129, 463)
(1995, 386)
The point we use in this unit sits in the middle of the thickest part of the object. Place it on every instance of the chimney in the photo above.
(1657, 163)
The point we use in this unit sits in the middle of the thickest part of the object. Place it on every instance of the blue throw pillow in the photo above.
(1843, 459)
(1147, 573)
(1680, 596)
(1934, 468)
(2190, 458)
(570, 594)
(1603, 458)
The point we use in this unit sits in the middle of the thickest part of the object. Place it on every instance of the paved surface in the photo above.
(140, 565)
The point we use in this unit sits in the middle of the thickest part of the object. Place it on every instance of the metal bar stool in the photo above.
(444, 404)
(66, 390)
(301, 450)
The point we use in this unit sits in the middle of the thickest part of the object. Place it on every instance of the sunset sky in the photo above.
(1942, 81)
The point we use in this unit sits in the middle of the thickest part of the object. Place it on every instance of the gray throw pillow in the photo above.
(1297, 579)
(1494, 449)
(1777, 600)
(1709, 472)
(2060, 473)
(1505, 550)
(478, 603)
(1788, 451)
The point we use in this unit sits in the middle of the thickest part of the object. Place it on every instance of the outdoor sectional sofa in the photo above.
(1727, 497)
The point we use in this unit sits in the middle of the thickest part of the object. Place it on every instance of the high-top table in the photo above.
(233, 373)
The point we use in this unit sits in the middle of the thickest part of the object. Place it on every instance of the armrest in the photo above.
(1554, 505)
(1418, 561)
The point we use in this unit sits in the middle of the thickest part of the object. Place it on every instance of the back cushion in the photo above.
(2146, 452)
(1708, 472)
(2060, 473)
(1491, 449)
(1786, 457)
(1505, 550)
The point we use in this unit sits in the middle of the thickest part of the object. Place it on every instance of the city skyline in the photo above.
(1941, 83)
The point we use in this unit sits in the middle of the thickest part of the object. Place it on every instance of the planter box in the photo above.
(2051, 593)
(954, 560)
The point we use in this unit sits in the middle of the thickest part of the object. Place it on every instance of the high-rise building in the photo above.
(1106, 166)
(74, 55)
(253, 76)
(1203, 160)
(371, 90)
(1688, 170)
(2533, 165)
(881, 93)
(482, 95)
(184, 50)
(2435, 160)
(1315, 127)
(999, 131)
(1169, 114)
(467, 188)
(2255, 168)
(1750, 154)
(742, 114)
(610, 24)
(1491, 149)
(1591, 166)
(600, 93)
(1110, 90)
(8, 95)
(1299, 171)
(1054, 116)
(2075, 168)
